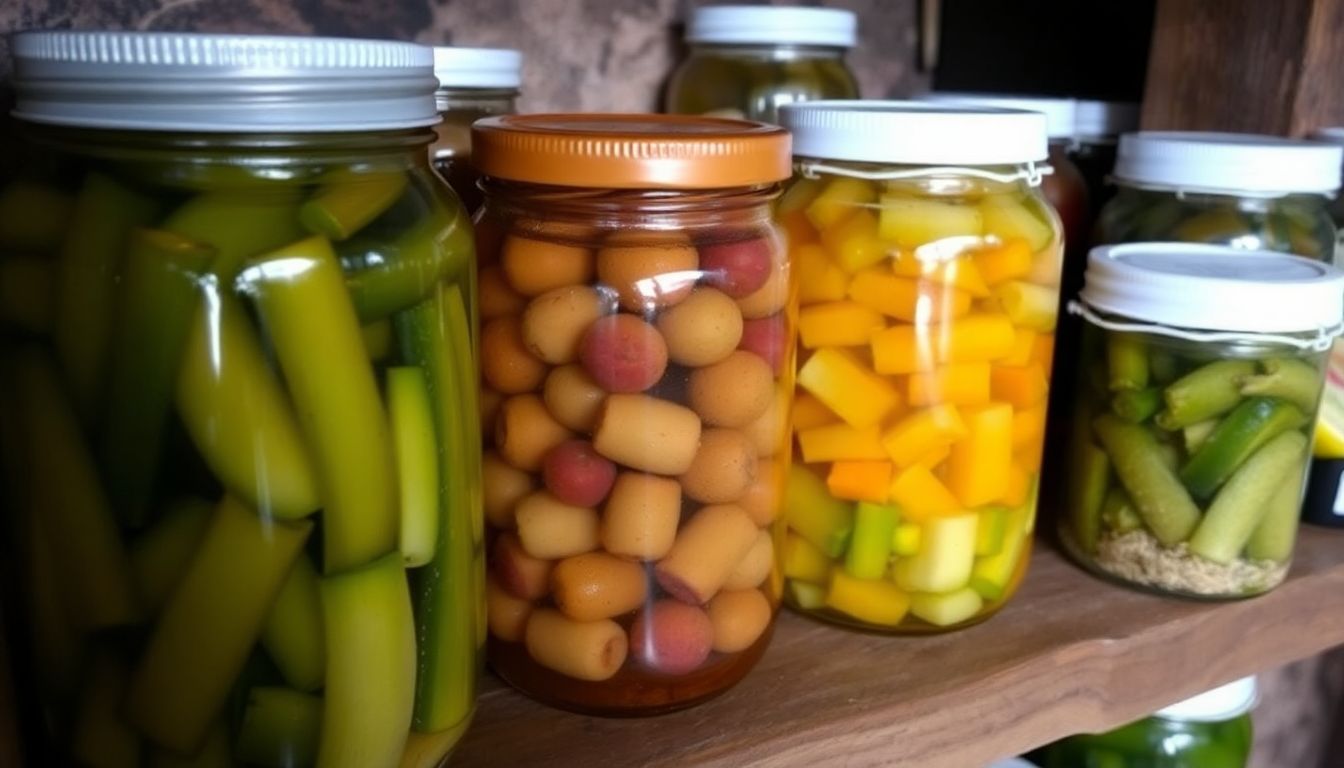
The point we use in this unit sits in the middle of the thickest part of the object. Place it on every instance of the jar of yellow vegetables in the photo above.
(928, 269)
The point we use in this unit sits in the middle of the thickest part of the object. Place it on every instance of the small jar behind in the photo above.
(1097, 128)
(1198, 381)
(749, 60)
(473, 83)
(637, 362)
(1211, 730)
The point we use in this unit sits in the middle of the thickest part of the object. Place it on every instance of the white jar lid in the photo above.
(175, 81)
(1104, 119)
(1228, 163)
(1222, 703)
(478, 67)
(1332, 135)
(1059, 113)
(1214, 288)
(914, 132)
(763, 24)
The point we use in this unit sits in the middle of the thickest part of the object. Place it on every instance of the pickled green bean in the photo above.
(1087, 488)
(280, 728)
(1250, 425)
(160, 292)
(292, 633)
(1118, 514)
(238, 225)
(870, 546)
(417, 462)
(1157, 493)
(26, 285)
(299, 293)
(1126, 361)
(160, 555)
(1273, 538)
(390, 278)
(340, 209)
(1136, 405)
(1208, 391)
(1286, 378)
(34, 217)
(1243, 501)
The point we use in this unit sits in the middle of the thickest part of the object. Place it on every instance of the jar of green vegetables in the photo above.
(239, 445)
(1199, 377)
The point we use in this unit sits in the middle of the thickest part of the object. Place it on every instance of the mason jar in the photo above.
(473, 83)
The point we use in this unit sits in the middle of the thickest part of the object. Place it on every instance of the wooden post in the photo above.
(1246, 65)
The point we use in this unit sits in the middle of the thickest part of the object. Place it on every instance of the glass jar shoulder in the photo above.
(754, 83)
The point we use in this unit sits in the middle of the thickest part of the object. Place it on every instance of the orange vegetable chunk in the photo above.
(860, 480)
(922, 433)
(809, 412)
(966, 384)
(840, 442)
(978, 468)
(909, 299)
(1022, 387)
(975, 338)
(818, 278)
(837, 324)
(854, 393)
(1005, 261)
(920, 494)
(960, 273)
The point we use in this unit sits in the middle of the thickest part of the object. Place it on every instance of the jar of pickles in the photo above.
(637, 363)
(239, 455)
(1247, 191)
(473, 83)
(1198, 381)
(928, 269)
(749, 60)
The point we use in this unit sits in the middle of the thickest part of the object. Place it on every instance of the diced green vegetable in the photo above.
(1274, 537)
(1289, 379)
(417, 455)
(26, 293)
(160, 555)
(280, 728)
(905, 539)
(340, 209)
(101, 737)
(1117, 512)
(1244, 499)
(389, 278)
(814, 514)
(34, 217)
(292, 632)
(1087, 488)
(1210, 390)
(1250, 425)
(1126, 361)
(1157, 492)
(870, 546)
(946, 553)
(1136, 405)
(990, 531)
(990, 576)
(946, 609)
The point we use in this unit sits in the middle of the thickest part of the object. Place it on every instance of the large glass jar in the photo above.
(473, 83)
(242, 491)
(928, 269)
(1211, 730)
(637, 362)
(1197, 387)
(749, 60)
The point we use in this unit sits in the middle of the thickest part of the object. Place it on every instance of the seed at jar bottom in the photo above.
(573, 398)
(534, 267)
(732, 392)
(672, 637)
(647, 433)
(554, 322)
(587, 650)
(703, 329)
(723, 468)
(518, 572)
(550, 529)
(525, 431)
(502, 487)
(641, 516)
(596, 585)
(506, 615)
(739, 618)
(506, 363)
(648, 272)
(755, 566)
(708, 548)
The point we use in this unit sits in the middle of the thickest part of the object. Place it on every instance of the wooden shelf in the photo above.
(1069, 654)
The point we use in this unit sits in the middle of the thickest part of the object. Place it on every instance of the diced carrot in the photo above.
(909, 299)
(852, 241)
(837, 324)
(1018, 487)
(860, 480)
(977, 470)
(809, 412)
(972, 339)
(1021, 386)
(818, 278)
(960, 273)
(964, 384)
(1028, 425)
(840, 442)
(1043, 351)
(920, 494)
(1005, 261)
(1029, 305)
(1024, 341)
(922, 432)
(841, 196)
(854, 393)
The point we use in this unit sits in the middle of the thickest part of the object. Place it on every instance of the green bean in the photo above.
(1250, 425)
(86, 280)
(26, 285)
(1286, 378)
(280, 728)
(1157, 493)
(417, 462)
(340, 209)
(1273, 538)
(1163, 366)
(870, 546)
(238, 225)
(1126, 361)
(1136, 405)
(1242, 503)
(1118, 513)
(160, 555)
(386, 279)
(159, 295)
(1087, 488)
(1208, 391)
(34, 217)
(292, 633)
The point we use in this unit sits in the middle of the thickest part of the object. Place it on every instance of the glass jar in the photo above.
(636, 362)
(1198, 381)
(1098, 126)
(749, 60)
(1211, 730)
(1247, 191)
(239, 418)
(473, 83)
(928, 269)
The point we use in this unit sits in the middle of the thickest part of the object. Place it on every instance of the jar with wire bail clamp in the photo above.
(929, 267)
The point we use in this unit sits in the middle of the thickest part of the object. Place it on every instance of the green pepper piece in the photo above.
(1087, 488)
(1117, 512)
(417, 454)
(101, 738)
(1243, 501)
(392, 277)
(1274, 537)
(340, 209)
(1286, 378)
(1162, 502)
(870, 546)
(33, 216)
(299, 293)
(990, 531)
(159, 295)
(1210, 390)
(26, 285)
(209, 624)
(161, 554)
(370, 689)
(292, 633)
(436, 335)
(1250, 425)
(1126, 361)
(238, 224)
(86, 281)
(280, 728)
(1136, 405)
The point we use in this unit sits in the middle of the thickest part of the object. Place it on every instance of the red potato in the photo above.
(623, 353)
(576, 474)
(519, 573)
(671, 637)
(767, 338)
(738, 269)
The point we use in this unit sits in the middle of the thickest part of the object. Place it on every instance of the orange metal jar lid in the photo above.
(630, 151)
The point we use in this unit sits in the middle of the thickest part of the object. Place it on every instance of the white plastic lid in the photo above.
(1214, 288)
(1222, 703)
(177, 81)
(833, 27)
(478, 67)
(1332, 135)
(1104, 119)
(914, 132)
(1228, 163)
(1012, 762)
(1059, 113)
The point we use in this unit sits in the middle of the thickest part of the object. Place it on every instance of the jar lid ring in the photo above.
(1031, 172)
(1322, 341)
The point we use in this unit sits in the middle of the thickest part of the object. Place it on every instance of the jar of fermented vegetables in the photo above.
(1246, 191)
(238, 440)
(1198, 381)
(1211, 730)
(473, 83)
(636, 360)
(749, 60)
(928, 270)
